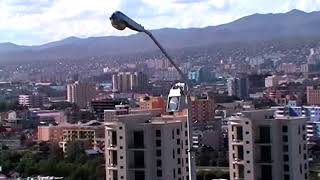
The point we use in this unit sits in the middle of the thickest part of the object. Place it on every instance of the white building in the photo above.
(266, 148)
(272, 81)
(33, 101)
(141, 146)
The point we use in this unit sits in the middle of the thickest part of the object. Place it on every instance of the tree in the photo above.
(74, 151)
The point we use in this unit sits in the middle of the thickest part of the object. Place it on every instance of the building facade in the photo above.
(267, 148)
(203, 108)
(238, 87)
(140, 146)
(80, 93)
(91, 134)
(33, 101)
(313, 95)
(129, 81)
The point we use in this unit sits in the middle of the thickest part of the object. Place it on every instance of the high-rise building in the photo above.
(33, 101)
(272, 81)
(203, 108)
(80, 93)
(238, 87)
(313, 95)
(265, 147)
(199, 74)
(141, 146)
(129, 81)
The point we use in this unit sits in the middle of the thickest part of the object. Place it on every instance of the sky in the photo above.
(34, 22)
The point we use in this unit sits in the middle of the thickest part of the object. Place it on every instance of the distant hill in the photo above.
(256, 27)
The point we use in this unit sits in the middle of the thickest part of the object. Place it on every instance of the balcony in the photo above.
(237, 142)
(111, 147)
(263, 142)
(137, 147)
(265, 161)
(112, 166)
(237, 161)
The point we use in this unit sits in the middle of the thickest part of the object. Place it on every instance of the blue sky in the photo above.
(32, 22)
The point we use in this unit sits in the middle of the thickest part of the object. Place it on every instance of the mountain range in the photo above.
(256, 27)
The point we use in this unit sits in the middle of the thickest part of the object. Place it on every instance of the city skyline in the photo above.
(37, 22)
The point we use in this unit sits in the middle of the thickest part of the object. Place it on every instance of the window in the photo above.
(284, 128)
(286, 167)
(159, 163)
(286, 177)
(265, 134)
(173, 154)
(178, 151)
(138, 139)
(158, 143)
(174, 173)
(158, 153)
(286, 157)
(158, 133)
(178, 131)
(179, 161)
(159, 173)
(179, 171)
(285, 148)
(178, 141)
(299, 149)
(185, 133)
(285, 138)
(172, 134)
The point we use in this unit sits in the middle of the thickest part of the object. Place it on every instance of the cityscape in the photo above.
(236, 100)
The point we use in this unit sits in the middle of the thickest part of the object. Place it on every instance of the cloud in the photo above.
(40, 21)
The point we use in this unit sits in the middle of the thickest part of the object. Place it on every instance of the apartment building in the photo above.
(142, 146)
(264, 147)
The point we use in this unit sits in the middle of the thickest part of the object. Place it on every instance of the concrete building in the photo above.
(272, 81)
(150, 102)
(129, 81)
(98, 106)
(49, 116)
(238, 87)
(33, 101)
(141, 146)
(313, 95)
(80, 93)
(199, 74)
(267, 148)
(91, 134)
(203, 108)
